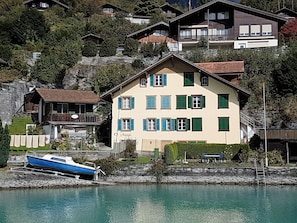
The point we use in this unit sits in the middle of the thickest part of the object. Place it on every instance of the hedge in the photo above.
(194, 150)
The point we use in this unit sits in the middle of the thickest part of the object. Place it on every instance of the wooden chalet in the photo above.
(63, 109)
(44, 4)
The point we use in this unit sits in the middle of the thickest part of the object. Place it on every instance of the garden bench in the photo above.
(212, 157)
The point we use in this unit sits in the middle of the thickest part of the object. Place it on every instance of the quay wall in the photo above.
(205, 175)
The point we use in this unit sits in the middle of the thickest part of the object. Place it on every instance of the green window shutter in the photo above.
(144, 121)
(165, 102)
(131, 124)
(172, 124)
(157, 124)
(151, 102)
(132, 102)
(189, 79)
(119, 124)
(203, 101)
(152, 80)
(181, 101)
(223, 123)
(190, 105)
(196, 124)
(164, 124)
(188, 121)
(164, 79)
(223, 100)
(119, 103)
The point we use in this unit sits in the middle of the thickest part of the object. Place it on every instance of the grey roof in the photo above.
(55, 1)
(107, 94)
(148, 28)
(238, 6)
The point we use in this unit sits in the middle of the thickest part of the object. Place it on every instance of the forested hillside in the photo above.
(57, 34)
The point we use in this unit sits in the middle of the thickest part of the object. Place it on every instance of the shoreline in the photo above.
(24, 179)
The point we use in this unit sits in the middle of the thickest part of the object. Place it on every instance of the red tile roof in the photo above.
(70, 96)
(223, 67)
(156, 39)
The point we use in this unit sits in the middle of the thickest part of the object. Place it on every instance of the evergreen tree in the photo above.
(4, 144)
(285, 78)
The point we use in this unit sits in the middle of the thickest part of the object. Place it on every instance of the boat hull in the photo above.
(39, 162)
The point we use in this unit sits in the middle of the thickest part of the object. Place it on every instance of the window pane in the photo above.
(181, 101)
(181, 124)
(196, 101)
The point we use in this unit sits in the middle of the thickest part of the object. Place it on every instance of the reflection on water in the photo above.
(153, 203)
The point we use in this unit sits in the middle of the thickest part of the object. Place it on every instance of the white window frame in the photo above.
(143, 82)
(81, 108)
(185, 33)
(196, 101)
(151, 124)
(244, 30)
(204, 81)
(223, 15)
(181, 124)
(126, 102)
(158, 80)
(126, 124)
(266, 30)
(255, 30)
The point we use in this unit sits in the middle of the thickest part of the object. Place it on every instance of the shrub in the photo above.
(89, 49)
(137, 64)
(171, 153)
(108, 48)
(130, 47)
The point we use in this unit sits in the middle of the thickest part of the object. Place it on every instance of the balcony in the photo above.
(77, 118)
(210, 38)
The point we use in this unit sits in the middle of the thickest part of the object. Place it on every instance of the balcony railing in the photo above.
(210, 38)
(74, 118)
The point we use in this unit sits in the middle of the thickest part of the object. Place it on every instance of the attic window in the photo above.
(143, 82)
(204, 80)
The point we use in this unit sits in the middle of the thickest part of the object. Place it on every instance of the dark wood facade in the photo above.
(44, 4)
(220, 21)
(284, 140)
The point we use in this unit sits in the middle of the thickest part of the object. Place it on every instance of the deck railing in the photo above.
(74, 117)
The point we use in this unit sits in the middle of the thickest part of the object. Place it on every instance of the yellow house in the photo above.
(175, 100)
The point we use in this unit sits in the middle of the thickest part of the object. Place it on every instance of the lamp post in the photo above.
(265, 131)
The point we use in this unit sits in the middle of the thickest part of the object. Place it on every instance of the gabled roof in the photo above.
(92, 35)
(55, 1)
(167, 5)
(3, 61)
(107, 5)
(286, 12)
(229, 67)
(235, 5)
(69, 96)
(152, 27)
(107, 95)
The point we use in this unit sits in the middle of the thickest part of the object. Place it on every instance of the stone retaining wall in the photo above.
(204, 175)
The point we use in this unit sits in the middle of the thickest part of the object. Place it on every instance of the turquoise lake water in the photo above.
(151, 204)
